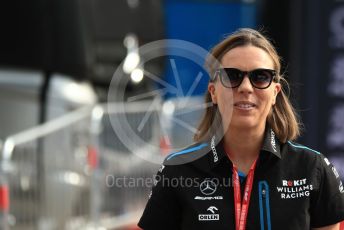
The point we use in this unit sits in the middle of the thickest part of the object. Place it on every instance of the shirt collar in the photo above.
(271, 144)
(217, 151)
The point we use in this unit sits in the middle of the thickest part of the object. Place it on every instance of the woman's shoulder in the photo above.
(299, 151)
(191, 153)
(302, 149)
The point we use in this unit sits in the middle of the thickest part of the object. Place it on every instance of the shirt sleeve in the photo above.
(162, 210)
(327, 208)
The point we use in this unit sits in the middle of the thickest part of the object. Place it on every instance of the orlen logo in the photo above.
(212, 209)
(209, 217)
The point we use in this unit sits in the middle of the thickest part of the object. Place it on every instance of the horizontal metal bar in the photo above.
(44, 129)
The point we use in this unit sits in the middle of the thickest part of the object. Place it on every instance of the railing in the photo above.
(47, 173)
(60, 175)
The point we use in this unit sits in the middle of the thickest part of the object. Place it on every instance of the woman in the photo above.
(245, 138)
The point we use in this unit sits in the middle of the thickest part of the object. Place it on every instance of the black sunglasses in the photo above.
(232, 77)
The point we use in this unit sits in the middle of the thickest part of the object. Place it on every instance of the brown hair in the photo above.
(282, 119)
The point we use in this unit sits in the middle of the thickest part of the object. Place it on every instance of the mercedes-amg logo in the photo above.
(208, 187)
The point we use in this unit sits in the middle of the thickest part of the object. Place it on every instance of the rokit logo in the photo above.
(209, 217)
(292, 189)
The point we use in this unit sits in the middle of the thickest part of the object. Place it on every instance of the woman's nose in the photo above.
(245, 85)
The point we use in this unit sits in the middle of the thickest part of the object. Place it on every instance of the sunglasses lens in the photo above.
(261, 78)
(232, 78)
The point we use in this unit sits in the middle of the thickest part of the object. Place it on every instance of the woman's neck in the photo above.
(243, 146)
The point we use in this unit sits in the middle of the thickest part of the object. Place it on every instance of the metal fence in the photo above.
(90, 169)
(58, 174)
(124, 166)
(48, 173)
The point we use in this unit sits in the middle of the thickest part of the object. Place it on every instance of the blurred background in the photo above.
(58, 140)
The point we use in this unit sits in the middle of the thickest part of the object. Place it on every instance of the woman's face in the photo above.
(244, 106)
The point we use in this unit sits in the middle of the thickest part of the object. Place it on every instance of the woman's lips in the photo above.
(244, 105)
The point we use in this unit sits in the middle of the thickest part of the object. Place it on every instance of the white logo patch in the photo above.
(335, 172)
(208, 198)
(208, 187)
(327, 161)
(209, 217)
(273, 141)
(211, 209)
(341, 188)
(161, 168)
(292, 189)
(213, 149)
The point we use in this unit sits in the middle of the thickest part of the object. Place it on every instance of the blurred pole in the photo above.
(4, 202)
(93, 161)
(4, 188)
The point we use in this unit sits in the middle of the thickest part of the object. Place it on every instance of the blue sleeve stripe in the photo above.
(261, 208)
(303, 147)
(263, 185)
(198, 147)
(268, 214)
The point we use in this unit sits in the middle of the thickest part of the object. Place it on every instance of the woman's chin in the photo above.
(245, 123)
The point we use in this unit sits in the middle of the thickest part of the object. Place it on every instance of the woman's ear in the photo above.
(277, 89)
(211, 89)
